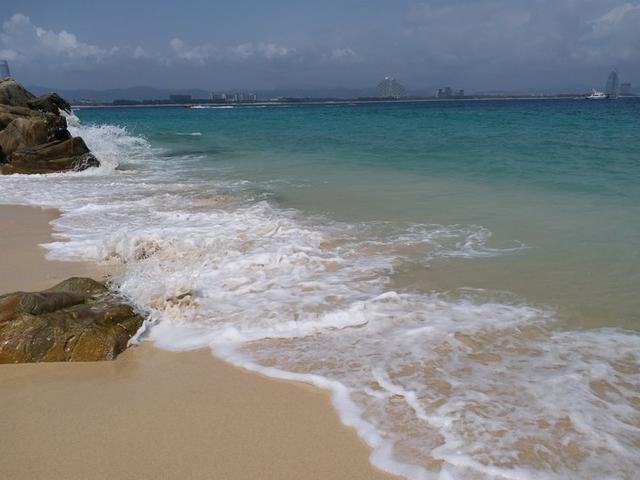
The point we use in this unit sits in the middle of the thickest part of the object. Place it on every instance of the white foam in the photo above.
(72, 118)
(452, 241)
(211, 107)
(112, 145)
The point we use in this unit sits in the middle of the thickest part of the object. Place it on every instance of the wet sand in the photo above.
(152, 414)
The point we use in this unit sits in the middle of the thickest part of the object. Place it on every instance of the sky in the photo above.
(478, 45)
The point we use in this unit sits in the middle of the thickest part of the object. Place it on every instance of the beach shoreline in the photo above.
(22, 258)
(152, 413)
(341, 102)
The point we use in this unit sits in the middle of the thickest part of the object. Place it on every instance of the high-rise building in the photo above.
(613, 84)
(247, 97)
(445, 92)
(448, 92)
(4, 69)
(390, 88)
(625, 88)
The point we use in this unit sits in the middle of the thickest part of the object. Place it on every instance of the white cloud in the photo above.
(206, 52)
(243, 51)
(198, 54)
(271, 51)
(20, 39)
(617, 14)
(613, 36)
(266, 51)
(139, 52)
(619, 21)
(343, 55)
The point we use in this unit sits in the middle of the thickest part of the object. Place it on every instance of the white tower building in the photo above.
(613, 85)
(390, 88)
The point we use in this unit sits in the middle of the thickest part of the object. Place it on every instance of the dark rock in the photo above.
(50, 103)
(57, 156)
(57, 128)
(77, 320)
(5, 119)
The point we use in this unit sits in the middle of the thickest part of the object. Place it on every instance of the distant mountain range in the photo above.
(151, 93)
(109, 95)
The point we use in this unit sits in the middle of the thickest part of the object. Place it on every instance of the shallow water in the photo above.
(463, 275)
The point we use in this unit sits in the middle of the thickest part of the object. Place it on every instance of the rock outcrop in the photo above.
(33, 134)
(77, 320)
(14, 94)
(50, 103)
(23, 132)
(56, 156)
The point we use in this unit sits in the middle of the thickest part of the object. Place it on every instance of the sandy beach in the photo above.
(151, 413)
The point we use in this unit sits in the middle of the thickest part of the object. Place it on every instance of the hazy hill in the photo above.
(130, 93)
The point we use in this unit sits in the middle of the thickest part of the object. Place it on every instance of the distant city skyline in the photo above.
(497, 45)
(389, 87)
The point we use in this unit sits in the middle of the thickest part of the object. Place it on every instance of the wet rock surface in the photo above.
(76, 320)
(52, 157)
(34, 138)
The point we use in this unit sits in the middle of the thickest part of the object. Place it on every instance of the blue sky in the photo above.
(472, 44)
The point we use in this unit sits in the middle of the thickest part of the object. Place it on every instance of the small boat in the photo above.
(597, 95)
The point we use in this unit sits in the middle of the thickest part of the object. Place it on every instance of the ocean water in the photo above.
(464, 276)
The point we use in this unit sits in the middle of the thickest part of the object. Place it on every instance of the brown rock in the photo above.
(8, 114)
(77, 320)
(14, 112)
(12, 93)
(21, 133)
(5, 119)
(34, 138)
(58, 156)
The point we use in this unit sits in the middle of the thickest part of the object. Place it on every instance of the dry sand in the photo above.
(152, 414)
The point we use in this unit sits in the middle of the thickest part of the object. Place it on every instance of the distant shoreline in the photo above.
(208, 105)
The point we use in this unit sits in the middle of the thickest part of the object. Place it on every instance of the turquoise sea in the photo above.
(464, 276)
